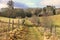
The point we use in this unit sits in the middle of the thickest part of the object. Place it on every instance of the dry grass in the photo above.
(35, 33)
(55, 19)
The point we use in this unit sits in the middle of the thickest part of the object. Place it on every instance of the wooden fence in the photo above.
(5, 27)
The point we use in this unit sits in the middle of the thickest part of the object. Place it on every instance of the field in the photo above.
(55, 19)
(26, 32)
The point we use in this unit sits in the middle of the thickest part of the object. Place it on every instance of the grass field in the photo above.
(55, 19)
(35, 33)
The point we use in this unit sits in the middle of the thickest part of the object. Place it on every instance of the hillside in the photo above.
(34, 32)
(55, 19)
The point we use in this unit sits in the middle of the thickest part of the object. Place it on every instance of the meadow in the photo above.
(25, 32)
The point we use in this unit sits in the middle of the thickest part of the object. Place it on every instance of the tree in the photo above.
(47, 25)
(54, 11)
(11, 9)
(37, 11)
(10, 4)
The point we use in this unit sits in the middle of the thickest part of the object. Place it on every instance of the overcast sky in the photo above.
(33, 3)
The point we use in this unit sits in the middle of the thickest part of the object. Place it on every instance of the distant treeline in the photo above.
(13, 13)
(20, 13)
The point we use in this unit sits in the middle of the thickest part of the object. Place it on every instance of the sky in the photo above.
(31, 3)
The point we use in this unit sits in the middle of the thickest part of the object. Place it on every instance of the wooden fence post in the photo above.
(18, 23)
(12, 25)
(54, 36)
(8, 29)
(0, 23)
(8, 25)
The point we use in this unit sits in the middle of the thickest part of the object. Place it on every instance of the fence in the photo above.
(10, 27)
(7, 27)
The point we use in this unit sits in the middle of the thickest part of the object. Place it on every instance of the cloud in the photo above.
(29, 3)
(3, 3)
(32, 3)
(50, 2)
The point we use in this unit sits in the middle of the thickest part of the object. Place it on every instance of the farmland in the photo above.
(54, 18)
(25, 32)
